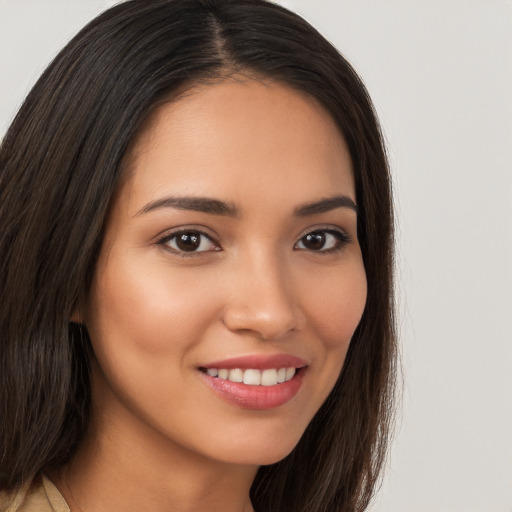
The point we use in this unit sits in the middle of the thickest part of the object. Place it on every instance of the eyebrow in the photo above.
(325, 205)
(217, 207)
(198, 204)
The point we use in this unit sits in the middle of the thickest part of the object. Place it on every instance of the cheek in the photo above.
(337, 306)
(334, 311)
(153, 310)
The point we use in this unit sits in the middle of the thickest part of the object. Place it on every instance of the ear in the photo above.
(76, 316)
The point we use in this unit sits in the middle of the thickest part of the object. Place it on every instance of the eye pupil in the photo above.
(188, 241)
(314, 240)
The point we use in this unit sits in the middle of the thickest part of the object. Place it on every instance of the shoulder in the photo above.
(38, 495)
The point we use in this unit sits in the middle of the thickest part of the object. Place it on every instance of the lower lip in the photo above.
(256, 397)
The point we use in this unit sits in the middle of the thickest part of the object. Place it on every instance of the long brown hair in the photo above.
(60, 164)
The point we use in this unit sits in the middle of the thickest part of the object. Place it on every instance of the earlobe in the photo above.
(76, 316)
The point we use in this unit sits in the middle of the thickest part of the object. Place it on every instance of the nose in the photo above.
(262, 301)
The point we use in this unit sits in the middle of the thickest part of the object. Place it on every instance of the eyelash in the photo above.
(342, 239)
(164, 241)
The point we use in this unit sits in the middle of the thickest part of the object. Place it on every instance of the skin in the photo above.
(161, 439)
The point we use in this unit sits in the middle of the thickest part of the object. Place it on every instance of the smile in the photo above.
(258, 382)
(253, 377)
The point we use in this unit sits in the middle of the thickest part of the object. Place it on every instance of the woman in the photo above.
(196, 248)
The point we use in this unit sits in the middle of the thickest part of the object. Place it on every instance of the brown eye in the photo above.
(190, 241)
(314, 241)
(322, 241)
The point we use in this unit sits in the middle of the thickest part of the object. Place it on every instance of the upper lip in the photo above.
(258, 362)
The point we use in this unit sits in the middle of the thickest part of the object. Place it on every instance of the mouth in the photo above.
(253, 376)
(256, 382)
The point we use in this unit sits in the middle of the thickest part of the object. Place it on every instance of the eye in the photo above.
(323, 240)
(189, 241)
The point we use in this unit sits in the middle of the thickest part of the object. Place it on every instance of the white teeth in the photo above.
(269, 377)
(236, 375)
(251, 377)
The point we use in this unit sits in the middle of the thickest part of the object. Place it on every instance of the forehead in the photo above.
(220, 139)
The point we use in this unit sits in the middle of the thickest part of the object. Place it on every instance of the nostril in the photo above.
(264, 324)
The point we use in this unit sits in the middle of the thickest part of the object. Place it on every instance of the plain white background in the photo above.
(440, 75)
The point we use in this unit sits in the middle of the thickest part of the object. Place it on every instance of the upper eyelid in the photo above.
(325, 227)
(171, 232)
(343, 237)
(164, 240)
(168, 234)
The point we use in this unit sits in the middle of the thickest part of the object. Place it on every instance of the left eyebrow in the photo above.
(325, 205)
(198, 204)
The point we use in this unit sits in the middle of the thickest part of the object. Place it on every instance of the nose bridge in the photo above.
(262, 299)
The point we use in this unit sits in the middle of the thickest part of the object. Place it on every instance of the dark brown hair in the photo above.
(60, 164)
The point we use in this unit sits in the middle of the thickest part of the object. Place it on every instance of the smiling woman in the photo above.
(196, 247)
(244, 291)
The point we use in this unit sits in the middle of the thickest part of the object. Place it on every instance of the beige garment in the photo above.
(39, 495)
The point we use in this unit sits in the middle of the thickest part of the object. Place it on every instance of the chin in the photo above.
(261, 451)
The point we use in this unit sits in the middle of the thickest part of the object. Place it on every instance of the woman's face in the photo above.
(231, 251)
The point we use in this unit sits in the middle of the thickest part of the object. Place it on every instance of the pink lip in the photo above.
(257, 397)
(258, 362)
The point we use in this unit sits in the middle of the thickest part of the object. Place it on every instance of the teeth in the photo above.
(236, 375)
(269, 377)
(290, 372)
(251, 377)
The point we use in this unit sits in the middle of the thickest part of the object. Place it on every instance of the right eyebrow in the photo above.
(325, 205)
(198, 204)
